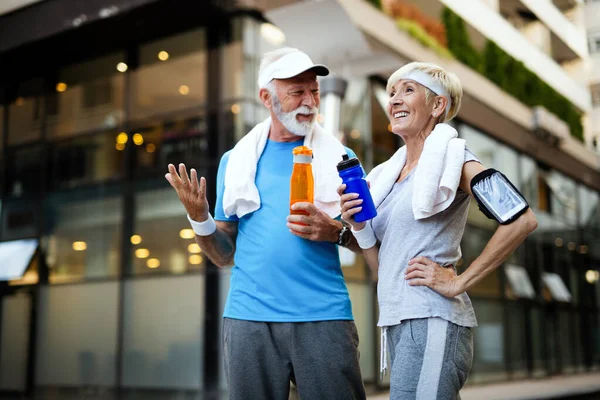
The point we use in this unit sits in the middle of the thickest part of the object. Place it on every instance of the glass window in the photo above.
(473, 242)
(24, 166)
(362, 296)
(163, 241)
(1, 127)
(82, 239)
(589, 208)
(538, 342)
(481, 145)
(258, 38)
(355, 120)
(86, 159)
(180, 140)
(566, 340)
(488, 341)
(529, 180)
(14, 343)
(87, 96)
(563, 196)
(25, 113)
(385, 142)
(155, 353)
(506, 160)
(19, 218)
(234, 57)
(171, 76)
(517, 340)
(491, 153)
(77, 330)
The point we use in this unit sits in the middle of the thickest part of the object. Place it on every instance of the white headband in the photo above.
(430, 83)
(288, 66)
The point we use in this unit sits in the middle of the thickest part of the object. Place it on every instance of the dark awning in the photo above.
(15, 257)
(48, 18)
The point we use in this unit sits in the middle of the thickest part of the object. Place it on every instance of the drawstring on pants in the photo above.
(383, 355)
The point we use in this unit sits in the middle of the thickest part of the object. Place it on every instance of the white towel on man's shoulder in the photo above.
(241, 195)
(436, 177)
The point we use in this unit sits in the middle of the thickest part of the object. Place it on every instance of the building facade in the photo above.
(592, 12)
(97, 100)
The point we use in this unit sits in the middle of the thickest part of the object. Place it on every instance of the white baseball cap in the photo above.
(288, 66)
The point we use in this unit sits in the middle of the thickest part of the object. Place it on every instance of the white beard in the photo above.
(289, 121)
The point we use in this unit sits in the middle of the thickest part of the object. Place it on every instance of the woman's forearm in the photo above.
(372, 258)
(505, 241)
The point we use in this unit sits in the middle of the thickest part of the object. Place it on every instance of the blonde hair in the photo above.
(448, 80)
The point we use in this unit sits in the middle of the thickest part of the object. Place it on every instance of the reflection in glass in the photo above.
(355, 120)
(538, 340)
(25, 113)
(177, 83)
(589, 208)
(24, 166)
(529, 179)
(77, 330)
(481, 145)
(488, 341)
(162, 337)
(84, 160)
(385, 142)
(160, 218)
(473, 242)
(1, 128)
(180, 140)
(516, 340)
(563, 200)
(88, 96)
(70, 221)
(14, 341)
(567, 341)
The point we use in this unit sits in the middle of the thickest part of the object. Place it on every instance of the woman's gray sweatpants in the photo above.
(321, 358)
(431, 359)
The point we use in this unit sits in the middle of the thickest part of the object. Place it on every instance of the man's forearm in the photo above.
(353, 245)
(219, 247)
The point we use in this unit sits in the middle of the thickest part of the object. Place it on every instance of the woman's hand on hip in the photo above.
(422, 271)
(350, 205)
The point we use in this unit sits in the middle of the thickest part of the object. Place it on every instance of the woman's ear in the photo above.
(439, 105)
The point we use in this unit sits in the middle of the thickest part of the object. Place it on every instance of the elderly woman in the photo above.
(422, 195)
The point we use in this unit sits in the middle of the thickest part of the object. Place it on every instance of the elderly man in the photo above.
(288, 315)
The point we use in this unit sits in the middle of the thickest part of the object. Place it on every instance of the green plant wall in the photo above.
(509, 74)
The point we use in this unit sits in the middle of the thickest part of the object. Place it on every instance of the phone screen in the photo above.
(499, 197)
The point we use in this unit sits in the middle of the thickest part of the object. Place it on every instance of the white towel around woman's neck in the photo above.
(436, 177)
(241, 195)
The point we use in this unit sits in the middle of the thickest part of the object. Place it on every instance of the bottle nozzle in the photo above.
(345, 157)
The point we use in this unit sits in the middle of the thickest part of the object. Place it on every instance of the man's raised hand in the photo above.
(191, 193)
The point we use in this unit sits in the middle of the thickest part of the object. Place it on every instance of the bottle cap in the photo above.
(302, 155)
(347, 162)
(302, 150)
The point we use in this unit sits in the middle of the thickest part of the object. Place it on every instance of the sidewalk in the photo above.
(548, 388)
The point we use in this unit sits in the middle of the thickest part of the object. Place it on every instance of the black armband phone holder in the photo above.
(497, 197)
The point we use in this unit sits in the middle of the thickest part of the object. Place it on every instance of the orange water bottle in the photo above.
(302, 183)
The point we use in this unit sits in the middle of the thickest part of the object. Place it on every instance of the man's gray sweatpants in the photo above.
(431, 359)
(321, 358)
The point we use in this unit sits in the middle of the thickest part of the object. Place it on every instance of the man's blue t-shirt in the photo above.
(280, 277)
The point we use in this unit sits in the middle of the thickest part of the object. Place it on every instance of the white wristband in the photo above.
(365, 237)
(204, 228)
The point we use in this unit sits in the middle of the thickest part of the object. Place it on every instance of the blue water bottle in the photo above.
(352, 175)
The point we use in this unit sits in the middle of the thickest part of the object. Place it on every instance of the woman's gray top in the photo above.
(403, 238)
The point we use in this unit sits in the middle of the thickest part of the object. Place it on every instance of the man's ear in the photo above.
(265, 97)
